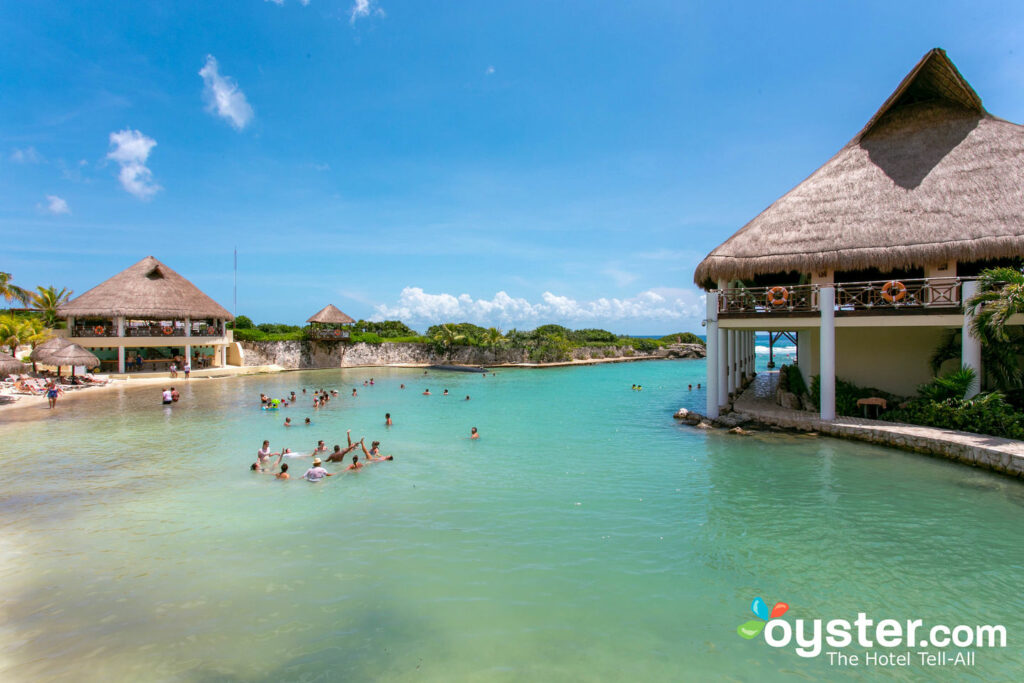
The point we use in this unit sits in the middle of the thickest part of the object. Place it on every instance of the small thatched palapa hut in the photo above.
(152, 310)
(869, 258)
(330, 323)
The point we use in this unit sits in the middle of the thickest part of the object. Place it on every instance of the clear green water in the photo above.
(586, 536)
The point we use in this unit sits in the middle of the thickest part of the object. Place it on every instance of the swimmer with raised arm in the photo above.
(339, 453)
(373, 455)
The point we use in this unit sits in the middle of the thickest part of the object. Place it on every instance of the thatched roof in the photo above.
(51, 345)
(9, 364)
(149, 289)
(330, 314)
(71, 354)
(932, 177)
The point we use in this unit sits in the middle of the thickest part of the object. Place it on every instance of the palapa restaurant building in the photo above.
(869, 260)
(151, 311)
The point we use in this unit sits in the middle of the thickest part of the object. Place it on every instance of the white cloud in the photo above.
(131, 149)
(416, 306)
(362, 9)
(55, 205)
(223, 95)
(489, 71)
(276, 2)
(29, 155)
(621, 277)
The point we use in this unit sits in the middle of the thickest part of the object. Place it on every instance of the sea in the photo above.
(585, 536)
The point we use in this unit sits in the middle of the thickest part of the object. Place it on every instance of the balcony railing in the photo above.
(325, 333)
(882, 297)
(104, 329)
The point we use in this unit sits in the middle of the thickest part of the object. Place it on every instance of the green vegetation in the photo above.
(983, 414)
(545, 344)
(792, 380)
(17, 330)
(847, 394)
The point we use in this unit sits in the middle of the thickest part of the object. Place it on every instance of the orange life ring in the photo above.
(889, 295)
(99, 331)
(778, 296)
(168, 331)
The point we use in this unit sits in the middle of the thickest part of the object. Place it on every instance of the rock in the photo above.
(805, 401)
(688, 416)
(704, 424)
(738, 430)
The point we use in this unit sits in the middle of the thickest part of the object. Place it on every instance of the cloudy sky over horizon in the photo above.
(507, 164)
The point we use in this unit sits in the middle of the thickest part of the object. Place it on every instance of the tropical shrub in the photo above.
(847, 394)
(951, 385)
(792, 380)
(983, 414)
(682, 338)
(242, 322)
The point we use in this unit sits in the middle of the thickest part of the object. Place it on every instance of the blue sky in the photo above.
(509, 163)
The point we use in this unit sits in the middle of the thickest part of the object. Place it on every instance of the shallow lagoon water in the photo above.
(585, 536)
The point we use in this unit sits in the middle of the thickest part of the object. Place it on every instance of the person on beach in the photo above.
(52, 390)
(316, 473)
(187, 368)
(287, 422)
(283, 474)
(138, 362)
(174, 370)
(387, 419)
(473, 434)
(175, 395)
(356, 465)
(166, 397)
(427, 392)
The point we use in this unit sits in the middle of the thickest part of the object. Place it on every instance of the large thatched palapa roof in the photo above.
(149, 289)
(932, 177)
(330, 314)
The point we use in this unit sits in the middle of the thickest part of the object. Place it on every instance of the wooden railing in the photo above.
(327, 333)
(879, 296)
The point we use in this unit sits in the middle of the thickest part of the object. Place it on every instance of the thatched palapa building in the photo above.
(330, 323)
(869, 259)
(152, 314)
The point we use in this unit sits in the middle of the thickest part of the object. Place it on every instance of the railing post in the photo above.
(827, 332)
(970, 345)
(713, 353)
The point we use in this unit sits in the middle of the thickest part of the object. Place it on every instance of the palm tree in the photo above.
(493, 338)
(17, 331)
(447, 337)
(47, 299)
(11, 292)
(1000, 295)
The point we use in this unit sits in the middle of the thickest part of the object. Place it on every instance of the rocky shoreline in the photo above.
(312, 355)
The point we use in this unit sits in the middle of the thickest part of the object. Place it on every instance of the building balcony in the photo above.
(934, 296)
(325, 333)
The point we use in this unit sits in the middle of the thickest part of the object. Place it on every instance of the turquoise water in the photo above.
(585, 536)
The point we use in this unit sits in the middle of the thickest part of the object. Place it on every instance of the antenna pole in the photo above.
(234, 311)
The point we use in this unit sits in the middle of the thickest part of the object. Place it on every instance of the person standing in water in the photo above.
(52, 390)
(316, 473)
(387, 419)
(473, 434)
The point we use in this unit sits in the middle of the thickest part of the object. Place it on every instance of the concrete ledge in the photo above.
(1005, 456)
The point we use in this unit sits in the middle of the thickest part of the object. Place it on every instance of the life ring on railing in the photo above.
(894, 297)
(778, 296)
(99, 331)
(168, 331)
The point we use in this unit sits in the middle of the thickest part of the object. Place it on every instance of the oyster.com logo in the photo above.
(759, 607)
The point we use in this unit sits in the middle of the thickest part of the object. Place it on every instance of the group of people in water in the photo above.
(265, 463)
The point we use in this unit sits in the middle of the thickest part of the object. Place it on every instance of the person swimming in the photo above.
(356, 465)
(308, 422)
(339, 453)
(373, 455)
(354, 393)
(283, 474)
(320, 447)
(467, 397)
(387, 419)
(287, 422)
(427, 392)
(445, 393)
(473, 434)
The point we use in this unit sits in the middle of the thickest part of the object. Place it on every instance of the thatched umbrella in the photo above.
(48, 347)
(933, 177)
(9, 364)
(331, 315)
(70, 354)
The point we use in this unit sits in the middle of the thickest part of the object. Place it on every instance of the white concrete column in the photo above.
(120, 359)
(827, 299)
(732, 337)
(970, 346)
(223, 355)
(723, 363)
(711, 379)
(119, 323)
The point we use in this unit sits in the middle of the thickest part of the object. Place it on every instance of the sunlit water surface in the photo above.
(585, 536)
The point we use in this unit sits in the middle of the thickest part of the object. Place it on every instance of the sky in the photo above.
(503, 163)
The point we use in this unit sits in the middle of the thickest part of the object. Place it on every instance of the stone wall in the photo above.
(307, 355)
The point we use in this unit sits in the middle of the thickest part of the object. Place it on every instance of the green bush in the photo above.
(791, 379)
(983, 414)
(847, 394)
(257, 335)
(682, 338)
(641, 343)
(592, 337)
(951, 385)
(277, 328)
(388, 329)
(242, 322)
(367, 337)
